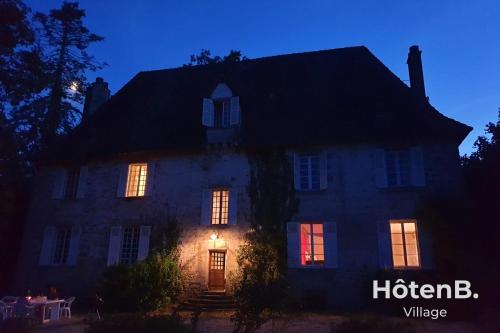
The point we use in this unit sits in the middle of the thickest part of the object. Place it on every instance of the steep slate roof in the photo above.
(326, 97)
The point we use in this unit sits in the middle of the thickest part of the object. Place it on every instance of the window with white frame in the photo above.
(312, 250)
(404, 241)
(309, 173)
(398, 166)
(129, 245)
(220, 206)
(222, 109)
(60, 249)
(136, 180)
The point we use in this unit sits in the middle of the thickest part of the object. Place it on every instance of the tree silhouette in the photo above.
(205, 58)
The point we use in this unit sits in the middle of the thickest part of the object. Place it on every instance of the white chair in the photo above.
(5, 310)
(9, 299)
(65, 309)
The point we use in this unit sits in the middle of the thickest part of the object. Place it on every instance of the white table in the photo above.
(50, 308)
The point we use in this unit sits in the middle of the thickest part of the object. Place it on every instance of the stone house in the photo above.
(365, 149)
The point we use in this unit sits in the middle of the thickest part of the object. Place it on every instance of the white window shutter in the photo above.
(331, 244)
(233, 206)
(115, 240)
(122, 180)
(144, 236)
(293, 244)
(417, 166)
(234, 116)
(60, 179)
(208, 113)
(380, 170)
(206, 206)
(74, 244)
(49, 236)
(82, 182)
(296, 171)
(150, 178)
(384, 245)
(323, 171)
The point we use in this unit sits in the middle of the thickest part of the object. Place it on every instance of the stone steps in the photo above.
(208, 301)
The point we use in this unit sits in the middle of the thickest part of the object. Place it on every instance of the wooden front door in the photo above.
(217, 270)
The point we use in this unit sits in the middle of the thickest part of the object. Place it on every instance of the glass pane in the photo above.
(396, 227)
(404, 167)
(398, 261)
(136, 181)
(409, 227)
(413, 260)
(305, 245)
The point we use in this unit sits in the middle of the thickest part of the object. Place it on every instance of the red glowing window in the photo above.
(312, 250)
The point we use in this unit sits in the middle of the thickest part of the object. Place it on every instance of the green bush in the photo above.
(143, 286)
(136, 323)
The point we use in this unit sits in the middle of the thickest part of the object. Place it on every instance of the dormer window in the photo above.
(222, 113)
(222, 109)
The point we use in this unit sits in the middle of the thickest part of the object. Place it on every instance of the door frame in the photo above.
(225, 265)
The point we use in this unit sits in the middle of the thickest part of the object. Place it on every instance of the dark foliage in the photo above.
(260, 288)
(58, 65)
(137, 323)
(205, 58)
(147, 285)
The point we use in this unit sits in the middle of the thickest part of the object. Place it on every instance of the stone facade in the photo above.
(351, 199)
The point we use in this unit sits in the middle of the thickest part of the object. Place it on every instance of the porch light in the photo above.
(213, 236)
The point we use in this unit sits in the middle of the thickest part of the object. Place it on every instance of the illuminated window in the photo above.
(404, 243)
(130, 245)
(136, 180)
(309, 172)
(311, 244)
(221, 113)
(398, 167)
(220, 206)
(61, 246)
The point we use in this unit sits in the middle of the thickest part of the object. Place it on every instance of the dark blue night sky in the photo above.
(460, 40)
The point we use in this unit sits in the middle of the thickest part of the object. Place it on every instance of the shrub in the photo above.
(144, 286)
(149, 284)
(136, 323)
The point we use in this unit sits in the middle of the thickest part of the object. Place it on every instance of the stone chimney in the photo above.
(97, 94)
(416, 72)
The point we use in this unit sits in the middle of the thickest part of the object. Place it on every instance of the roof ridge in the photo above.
(316, 52)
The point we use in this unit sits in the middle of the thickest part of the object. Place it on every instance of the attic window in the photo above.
(222, 109)
(222, 113)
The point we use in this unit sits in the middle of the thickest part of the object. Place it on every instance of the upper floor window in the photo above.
(221, 113)
(404, 243)
(309, 172)
(136, 180)
(220, 206)
(398, 167)
(312, 250)
(73, 177)
(222, 109)
(129, 245)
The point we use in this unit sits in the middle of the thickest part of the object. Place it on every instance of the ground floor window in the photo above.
(61, 246)
(129, 245)
(312, 250)
(405, 252)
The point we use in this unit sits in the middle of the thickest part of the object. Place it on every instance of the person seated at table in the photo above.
(52, 294)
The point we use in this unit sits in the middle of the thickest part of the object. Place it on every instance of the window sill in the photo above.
(313, 267)
(134, 198)
(220, 226)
